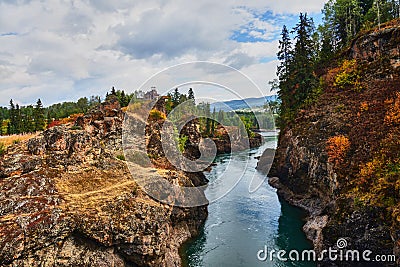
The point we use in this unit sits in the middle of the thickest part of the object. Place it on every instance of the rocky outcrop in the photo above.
(339, 201)
(67, 198)
(379, 44)
(265, 161)
(229, 139)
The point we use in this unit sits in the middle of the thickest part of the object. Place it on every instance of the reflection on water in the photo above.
(242, 223)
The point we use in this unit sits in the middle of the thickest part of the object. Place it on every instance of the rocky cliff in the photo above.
(67, 198)
(229, 139)
(339, 159)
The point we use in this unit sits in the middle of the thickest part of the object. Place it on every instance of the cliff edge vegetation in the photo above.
(338, 151)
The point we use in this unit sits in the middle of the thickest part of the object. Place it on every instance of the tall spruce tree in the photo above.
(190, 94)
(18, 120)
(302, 65)
(11, 124)
(285, 55)
(1, 124)
(39, 117)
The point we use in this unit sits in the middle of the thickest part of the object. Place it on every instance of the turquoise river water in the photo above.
(240, 224)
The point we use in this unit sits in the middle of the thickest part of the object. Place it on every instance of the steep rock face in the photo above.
(229, 139)
(378, 44)
(66, 200)
(335, 192)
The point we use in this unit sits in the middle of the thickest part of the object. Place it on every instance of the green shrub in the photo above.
(121, 157)
(75, 127)
(182, 143)
(2, 148)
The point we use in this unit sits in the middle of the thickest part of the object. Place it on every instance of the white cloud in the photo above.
(61, 50)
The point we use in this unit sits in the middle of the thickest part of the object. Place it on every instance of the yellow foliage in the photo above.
(156, 115)
(348, 75)
(337, 148)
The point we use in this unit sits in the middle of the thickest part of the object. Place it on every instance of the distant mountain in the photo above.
(242, 103)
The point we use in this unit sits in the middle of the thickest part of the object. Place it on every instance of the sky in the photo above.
(63, 50)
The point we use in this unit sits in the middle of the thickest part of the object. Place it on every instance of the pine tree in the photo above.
(303, 60)
(175, 98)
(11, 124)
(295, 72)
(190, 94)
(39, 116)
(213, 122)
(123, 101)
(113, 92)
(18, 120)
(49, 118)
(1, 124)
(285, 56)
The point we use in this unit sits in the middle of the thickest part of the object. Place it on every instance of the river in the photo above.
(241, 223)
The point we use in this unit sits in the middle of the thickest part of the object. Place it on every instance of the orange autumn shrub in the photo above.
(393, 113)
(337, 148)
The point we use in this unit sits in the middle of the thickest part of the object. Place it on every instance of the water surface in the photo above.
(242, 223)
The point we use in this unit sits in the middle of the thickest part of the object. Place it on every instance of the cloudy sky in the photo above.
(62, 50)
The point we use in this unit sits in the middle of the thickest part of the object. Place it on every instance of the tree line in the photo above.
(305, 48)
(183, 105)
(16, 119)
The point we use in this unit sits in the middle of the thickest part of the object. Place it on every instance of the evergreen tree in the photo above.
(175, 98)
(27, 119)
(303, 60)
(82, 104)
(123, 100)
(18, 120)
(190, 94)
(295, 71)
(213, 122)
(285, 56)
(182, 98)
(49, 118)
(39, 116)
(1, 124)
(11, 124)
(113, 92)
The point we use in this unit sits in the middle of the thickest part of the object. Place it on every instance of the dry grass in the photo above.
(15, 138)
(92, 188)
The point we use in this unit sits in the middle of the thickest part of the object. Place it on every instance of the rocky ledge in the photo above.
(67, 198)
(229, 139)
